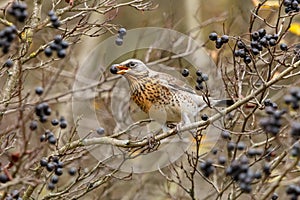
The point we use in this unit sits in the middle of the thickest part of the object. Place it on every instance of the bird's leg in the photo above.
(168, 126)
(177, 126)
(151, 141)
(153, 128)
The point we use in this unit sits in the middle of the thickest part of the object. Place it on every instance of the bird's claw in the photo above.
(177, 127)
(152, 142)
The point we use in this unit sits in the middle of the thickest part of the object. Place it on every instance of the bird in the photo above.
(165, 98)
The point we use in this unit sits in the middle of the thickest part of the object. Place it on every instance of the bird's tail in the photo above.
(223, 102)
(215, 103)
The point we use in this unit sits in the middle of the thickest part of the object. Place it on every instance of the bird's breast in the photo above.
(146, 93)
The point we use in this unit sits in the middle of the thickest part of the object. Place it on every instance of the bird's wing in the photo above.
(177, 85)
(172, 82)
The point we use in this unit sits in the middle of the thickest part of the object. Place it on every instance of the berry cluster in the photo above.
(272, 123)
(18, 10)
(54, 19)
(59, 45)
(43, 110)
(207, 168)
(239, 146)
(242, 52)
(62, 122)
(291, 6)
(269, 102)
(6, 37)
(54, 164)
(240, 171)
(293, 191)
(259, 40)
(48, 136)
(121, 34)
(293, 98)
(252, 152)
(218, 40)
(201, 77)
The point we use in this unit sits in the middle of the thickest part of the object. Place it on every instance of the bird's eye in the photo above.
(132, 64)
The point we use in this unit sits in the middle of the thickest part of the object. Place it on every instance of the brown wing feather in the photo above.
(172, 82)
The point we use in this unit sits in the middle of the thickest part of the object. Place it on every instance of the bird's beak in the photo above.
(122, 69)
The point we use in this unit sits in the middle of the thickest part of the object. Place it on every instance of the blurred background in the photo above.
(194, 18)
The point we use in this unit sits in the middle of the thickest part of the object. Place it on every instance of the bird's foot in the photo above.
(152, 142)
(177, 127)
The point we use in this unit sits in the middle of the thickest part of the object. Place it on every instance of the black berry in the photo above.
(8, 63)
(213, 36)
(185, 72)
(63, 124)
(64, 44)
(113, 69)
(33, 125)
(39, 90)
(198, 73)
(58, 39)
(19, 11)
(224, 38)
(122, 32)
(52, 140)
(54, 122)
(222, 160)
(50, 167)
(58, 171)
(48, 51)
(54, 179)
(100, 131)
(225, 134)
(3, 178)
(119, 41)
(61, 53)
(72, 171)
(204, 117)
(283, 47)
(43, 162)
(50, 186)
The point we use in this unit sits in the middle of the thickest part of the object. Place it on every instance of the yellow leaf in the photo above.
(295, 28)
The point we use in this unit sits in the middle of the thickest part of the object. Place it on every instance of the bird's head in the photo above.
(132, 67)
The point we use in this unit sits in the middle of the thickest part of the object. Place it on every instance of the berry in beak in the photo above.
(122, 69)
